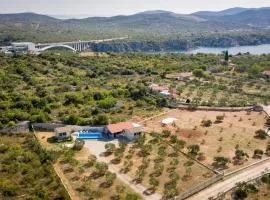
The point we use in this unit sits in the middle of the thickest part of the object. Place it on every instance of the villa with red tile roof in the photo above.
(128, 129)
(163, 90)
(266, 73)
(158, 88)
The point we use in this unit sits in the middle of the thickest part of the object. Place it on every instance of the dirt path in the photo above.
(228, 184)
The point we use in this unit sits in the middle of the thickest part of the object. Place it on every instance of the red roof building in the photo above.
(119, 127)
(158, 88)
(127, 129)
(266, 73)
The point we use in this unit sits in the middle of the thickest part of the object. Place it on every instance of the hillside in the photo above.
(27, 18)
(230, 11)
(26, 170)
(253, 17)
(161, 28)
(256, 18)
(87, 90)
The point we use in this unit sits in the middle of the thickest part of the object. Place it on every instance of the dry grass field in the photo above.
(42, 138)
(220, 139)
(190, 173)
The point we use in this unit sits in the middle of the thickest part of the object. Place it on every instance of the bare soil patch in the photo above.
(236, 130)
(188, 133)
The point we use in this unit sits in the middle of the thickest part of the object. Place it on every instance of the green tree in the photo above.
(154, 182)
(206, 123)
(267, 151)
(198, 73)
(72, 120)
(260, 134)
(221, 162)
(226, 56)
(110, 148)
(78, 145)
(107, 103)
(258, 153)
(267, 123)
(132, 197)
(240, 155)
(101, 168)
(193, 150)
(110, 177)
(100, 119)
(91, 161)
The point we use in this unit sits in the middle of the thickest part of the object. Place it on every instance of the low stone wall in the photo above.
(248, 166)
(199, 187)
(221, 109)
(46, 126)
(22, 127)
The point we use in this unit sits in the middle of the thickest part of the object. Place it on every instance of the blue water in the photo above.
(89, 135)
(256, 50)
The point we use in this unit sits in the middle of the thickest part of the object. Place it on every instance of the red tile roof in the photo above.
(119, 127)
(159, 88)
(266, 72)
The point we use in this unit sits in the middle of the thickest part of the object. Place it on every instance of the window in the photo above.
(63, 134)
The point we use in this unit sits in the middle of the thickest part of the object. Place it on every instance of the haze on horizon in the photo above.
(85, 8)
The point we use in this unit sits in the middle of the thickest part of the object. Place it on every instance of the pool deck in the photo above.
(89, 135)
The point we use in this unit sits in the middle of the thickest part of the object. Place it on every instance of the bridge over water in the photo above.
(79, 46)
(74, 46)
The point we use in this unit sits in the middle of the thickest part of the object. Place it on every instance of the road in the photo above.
(229, 183)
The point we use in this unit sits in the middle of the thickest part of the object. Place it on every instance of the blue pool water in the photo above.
(89, 135)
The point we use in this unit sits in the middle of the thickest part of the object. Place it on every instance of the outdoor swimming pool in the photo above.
(89, 135)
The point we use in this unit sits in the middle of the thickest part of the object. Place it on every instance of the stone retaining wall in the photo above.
(46, 126)
(22, 127)
(222, 109)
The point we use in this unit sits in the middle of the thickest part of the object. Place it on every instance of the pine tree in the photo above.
(226, 57)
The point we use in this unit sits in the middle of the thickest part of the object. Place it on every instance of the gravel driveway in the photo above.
(97, 147)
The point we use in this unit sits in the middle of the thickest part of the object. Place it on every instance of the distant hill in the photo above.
(152, 23)
(257, 17)
(150, 12)
(230, 11)
(27, 18)
(228, 27)
(252, 17)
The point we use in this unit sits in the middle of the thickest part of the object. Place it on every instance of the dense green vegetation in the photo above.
(114, 87)
(26, 170)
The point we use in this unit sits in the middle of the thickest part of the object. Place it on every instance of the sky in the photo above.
(121, 7)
